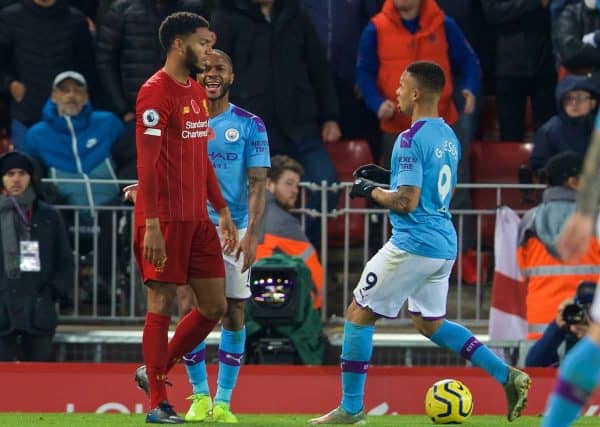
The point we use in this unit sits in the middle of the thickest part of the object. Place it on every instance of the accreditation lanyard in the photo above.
(29, 249)
(24, 218)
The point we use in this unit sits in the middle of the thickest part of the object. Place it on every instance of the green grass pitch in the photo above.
(109, 420)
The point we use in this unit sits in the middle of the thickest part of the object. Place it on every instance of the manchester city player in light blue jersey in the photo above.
(415, 263)
(239, 150)
(579, 373)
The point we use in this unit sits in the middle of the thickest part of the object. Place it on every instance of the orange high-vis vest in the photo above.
(397, 48)
(550, 281)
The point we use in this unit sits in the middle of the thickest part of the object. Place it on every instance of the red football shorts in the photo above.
(193, 252)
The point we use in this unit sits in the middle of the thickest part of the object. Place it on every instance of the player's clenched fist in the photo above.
(374, 173)
(154, 244)
(362, 188)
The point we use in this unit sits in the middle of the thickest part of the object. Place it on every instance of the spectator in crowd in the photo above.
(571, 128)
(469, 16)
(282, 76)
(74, 141)
(428, 34)
(550, 281)
(524, 63)
(576, 36)
(128, 50)
(36, 267)
(339, 25)
(281, 231)
(38, 39)
(421, 28)
(570, 325)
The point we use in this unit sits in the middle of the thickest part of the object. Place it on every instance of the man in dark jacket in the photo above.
(576, 35)
(570, 129)
(282, 75)
(524, 63)
(128, 51)
(338, 26)
(39, 39)
(36, 263)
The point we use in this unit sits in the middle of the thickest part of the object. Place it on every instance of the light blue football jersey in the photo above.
(237, 141)
(426, 156)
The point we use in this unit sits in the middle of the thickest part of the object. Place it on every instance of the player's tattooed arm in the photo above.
(588, 196)
(404, 199)
(257, 180)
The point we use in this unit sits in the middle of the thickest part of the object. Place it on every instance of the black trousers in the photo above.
(26, 347)
(511, 98)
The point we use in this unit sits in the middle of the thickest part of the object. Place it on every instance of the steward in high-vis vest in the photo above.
(549, 280)
(281, 232)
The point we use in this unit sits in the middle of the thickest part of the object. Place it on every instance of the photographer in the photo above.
(571, 324)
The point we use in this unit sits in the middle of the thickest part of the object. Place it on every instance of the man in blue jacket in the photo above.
(74, 141)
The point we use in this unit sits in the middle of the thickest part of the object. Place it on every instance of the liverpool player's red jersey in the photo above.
(175, 176)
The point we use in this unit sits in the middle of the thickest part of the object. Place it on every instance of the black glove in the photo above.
(362, 188)
(373, 173)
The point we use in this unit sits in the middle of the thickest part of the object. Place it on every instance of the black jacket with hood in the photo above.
(561, 132)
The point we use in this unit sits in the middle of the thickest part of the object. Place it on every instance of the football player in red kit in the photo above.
(175, 243)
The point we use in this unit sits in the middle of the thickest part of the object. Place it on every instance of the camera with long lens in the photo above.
(575, 312)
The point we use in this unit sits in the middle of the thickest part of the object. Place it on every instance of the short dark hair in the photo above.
(179, 24)
(224, 55)
(429, 76)
(280, 164)
(562, 166)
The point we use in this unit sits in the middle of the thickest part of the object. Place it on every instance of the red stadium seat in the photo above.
(497, 163)
(347, 156)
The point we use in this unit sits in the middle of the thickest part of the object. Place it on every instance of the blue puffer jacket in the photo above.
(77, 147)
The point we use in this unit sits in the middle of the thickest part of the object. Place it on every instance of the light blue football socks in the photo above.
(231, 356)
(356, 355)
(460, 340)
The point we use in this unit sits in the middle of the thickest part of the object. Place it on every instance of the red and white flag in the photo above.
(508, 316)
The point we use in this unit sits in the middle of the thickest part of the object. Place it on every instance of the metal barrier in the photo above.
(122, 300)
(389, 348)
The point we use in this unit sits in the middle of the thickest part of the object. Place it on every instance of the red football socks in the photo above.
(154, 346)
(190, 332)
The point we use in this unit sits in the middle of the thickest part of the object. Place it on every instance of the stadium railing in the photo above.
(120, 300)
(389, 348)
